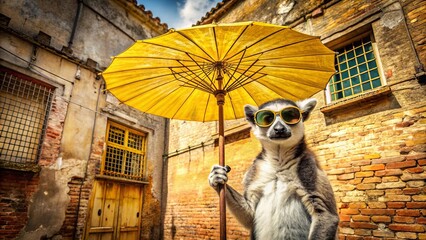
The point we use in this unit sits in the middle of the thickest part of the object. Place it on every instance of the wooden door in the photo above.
(115, 211)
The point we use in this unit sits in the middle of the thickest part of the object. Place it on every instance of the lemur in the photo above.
(286, 193)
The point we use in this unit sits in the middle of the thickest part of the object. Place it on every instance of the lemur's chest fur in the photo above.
(279, 212)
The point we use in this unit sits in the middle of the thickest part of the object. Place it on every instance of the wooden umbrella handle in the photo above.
(222, 201)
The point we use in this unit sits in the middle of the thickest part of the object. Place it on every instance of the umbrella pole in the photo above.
(220, 96)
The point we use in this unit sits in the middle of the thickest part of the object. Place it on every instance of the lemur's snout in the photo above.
(281, 131)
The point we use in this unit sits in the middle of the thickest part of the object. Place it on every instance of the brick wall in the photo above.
(15, 194)
(376, 164)
(373, 149)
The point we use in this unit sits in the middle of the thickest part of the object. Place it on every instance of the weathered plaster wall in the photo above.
(53, 203)
(372, 150)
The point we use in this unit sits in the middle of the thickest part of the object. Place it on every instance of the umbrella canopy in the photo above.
(175, 75)
(210, 72)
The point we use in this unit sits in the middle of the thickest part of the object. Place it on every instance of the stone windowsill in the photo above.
(356, 100)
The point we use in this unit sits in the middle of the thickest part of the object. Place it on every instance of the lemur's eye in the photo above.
(291, 115)
(264, 118)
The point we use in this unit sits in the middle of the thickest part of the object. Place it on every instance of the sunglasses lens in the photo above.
(264, 118)
(291, 115)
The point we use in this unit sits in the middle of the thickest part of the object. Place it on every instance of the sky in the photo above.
(179, 13)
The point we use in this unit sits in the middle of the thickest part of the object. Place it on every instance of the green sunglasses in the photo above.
(290, 115)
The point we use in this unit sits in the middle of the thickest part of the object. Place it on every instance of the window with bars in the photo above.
(125, 153)
(24, 110)
(357, 69)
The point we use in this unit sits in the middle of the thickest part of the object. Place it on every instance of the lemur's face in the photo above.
(280, 121)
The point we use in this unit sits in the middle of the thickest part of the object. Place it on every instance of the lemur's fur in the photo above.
(286, 194)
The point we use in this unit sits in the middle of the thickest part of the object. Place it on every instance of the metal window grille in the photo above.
(24, 109)
(357, 70)
(125, 153)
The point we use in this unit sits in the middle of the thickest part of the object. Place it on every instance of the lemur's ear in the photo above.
(249, 112)
(307, 106)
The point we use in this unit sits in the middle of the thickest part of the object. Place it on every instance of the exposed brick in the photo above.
(395, 198)
(390, 185)
(364, 174)
(362, 232)
(372, 156)
(374, 167)
(346, 231)
(388, 160)
(420, 157)
(413, 191)
(390, 179)
(407, 227)
(406, 235)
(408, 212)
(344, 217)
(388, 172)
(383, 233)
(415, 170)
(376, 205)
(357, 205)
(346, 176)
(375, 192)
(363, 225)
(401, 165)
(403, 219)
(349, 211)
(406, 176)
(371, 212)
(366, 186)
(381, 219)
(360, 218)
(418, 205)
(421, 220)
(416, 184)
(419, 198)
(372, 180)
(396, 205)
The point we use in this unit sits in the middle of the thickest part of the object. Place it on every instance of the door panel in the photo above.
(115, 211)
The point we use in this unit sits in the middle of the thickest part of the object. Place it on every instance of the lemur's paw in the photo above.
(218, 175)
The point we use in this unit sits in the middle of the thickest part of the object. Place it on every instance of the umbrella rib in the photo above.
(241, 78)
(232, 105)
(294, 56)
(309, 84)
(196, 44)
(203, 82)
(131, 98)
(275, 48)
(251, 96)
(190, 82)
(205, 109)
(236, 67)
(215, 42)
(139, 80)
(258, 41)
(244, 82)
(140, 68)
(202, 69)
(168, 94)
(176, 49)
(295, 67)
(186, 99)
(242, 32)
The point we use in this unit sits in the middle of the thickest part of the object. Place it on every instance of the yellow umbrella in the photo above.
(210, 72)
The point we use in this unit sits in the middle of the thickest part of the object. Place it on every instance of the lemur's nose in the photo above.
(279, 128)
